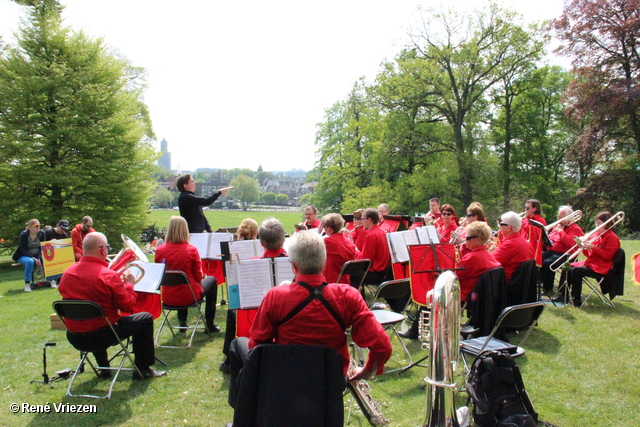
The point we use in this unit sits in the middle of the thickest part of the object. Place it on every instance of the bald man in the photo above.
(90, 279)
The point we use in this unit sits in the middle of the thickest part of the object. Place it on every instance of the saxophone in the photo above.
(443, 334)
(368, 405)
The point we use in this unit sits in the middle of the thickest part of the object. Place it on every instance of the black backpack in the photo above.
(498, 394)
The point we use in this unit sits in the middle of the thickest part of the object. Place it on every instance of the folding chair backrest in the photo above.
(393, 289)
(176, 278)
(78, 310)
(358, 267)
(521, 288)
(613, 281)
(486, 301)
(290, 385)
(520, 316)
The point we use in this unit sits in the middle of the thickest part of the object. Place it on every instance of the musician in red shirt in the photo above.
(447, 223)
(513, 250)
(90, 279)
(434, 215)
(311, 220)
(387, 227)
(477, 259)
(288, 316)
(374, 247)
(533, 235)
(562, 237)
(339, 249)
(178, 254)
(600, 253)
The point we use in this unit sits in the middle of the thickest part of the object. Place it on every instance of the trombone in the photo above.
(590, 237)
(567, 220)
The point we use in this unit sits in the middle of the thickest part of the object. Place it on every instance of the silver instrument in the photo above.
(444, 336)
(361, 391)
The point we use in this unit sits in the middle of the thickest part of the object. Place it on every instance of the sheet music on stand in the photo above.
(250, 280)
(152, 278)
(244, 249)
(208, 244)
(428, 235)
(398, 242)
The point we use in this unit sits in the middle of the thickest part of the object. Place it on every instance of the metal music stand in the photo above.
(46, 379)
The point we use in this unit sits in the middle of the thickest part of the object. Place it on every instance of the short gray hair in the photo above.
(307, 252)
(568, 209)
(513, 219)
(271, 234)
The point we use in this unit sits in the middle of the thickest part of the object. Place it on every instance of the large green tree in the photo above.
(74, 131)
(245, 189)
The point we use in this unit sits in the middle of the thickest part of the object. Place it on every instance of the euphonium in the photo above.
(368, 405)
(444, 331)
(134, 265)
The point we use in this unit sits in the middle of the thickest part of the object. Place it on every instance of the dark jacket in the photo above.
(22, 246)
(191, 210)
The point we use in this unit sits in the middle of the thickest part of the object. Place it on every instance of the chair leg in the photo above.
(595, 289)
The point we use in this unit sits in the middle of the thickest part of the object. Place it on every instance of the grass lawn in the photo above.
(581, 366)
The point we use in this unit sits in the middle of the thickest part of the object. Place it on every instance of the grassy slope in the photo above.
(580, 368)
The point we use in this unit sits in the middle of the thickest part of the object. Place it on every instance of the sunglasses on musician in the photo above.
(447, 214)
(471, 238)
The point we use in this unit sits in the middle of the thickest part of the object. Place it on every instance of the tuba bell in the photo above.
(444, 335)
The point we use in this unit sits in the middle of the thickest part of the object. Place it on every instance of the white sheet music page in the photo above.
(152, 277)
(245, 249)
(427, 234)
(214, 244)
(254, 281)
(283, 270)
(410, 237)
(433, 234)
(398, 248)
(201, 242)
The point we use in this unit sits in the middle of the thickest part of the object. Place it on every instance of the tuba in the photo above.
(444, 333)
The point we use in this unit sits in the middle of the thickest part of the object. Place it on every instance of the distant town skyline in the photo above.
(237, 85)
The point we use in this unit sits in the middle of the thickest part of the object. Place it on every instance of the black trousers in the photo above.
(546, 275)
(238, 351)
(138, 326)
(576, 276)
(210, 289)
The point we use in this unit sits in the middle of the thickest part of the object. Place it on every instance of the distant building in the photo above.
(165, 159)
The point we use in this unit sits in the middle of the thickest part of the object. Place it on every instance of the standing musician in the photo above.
(447, 223)
(288, 315)
(339, 249)
(600, 251)
(476, 259)
(513, 249)
(562, 237)
(533, 235)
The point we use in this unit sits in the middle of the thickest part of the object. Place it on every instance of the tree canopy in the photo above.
(74, 131)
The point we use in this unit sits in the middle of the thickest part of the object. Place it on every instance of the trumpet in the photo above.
(590, 237)
(122, 271)
(567, 220)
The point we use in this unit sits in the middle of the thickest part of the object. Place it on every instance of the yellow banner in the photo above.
(57, 256)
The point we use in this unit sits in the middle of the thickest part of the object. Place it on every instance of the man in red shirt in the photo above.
(339, 248)
(78, 234)
(92, 280)
(311, 220)
(288, 316)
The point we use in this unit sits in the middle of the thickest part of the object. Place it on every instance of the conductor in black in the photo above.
(191, 205)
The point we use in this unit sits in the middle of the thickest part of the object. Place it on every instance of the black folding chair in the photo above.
(174, 278)
(88, 310)
(358, 268)
(611, 283)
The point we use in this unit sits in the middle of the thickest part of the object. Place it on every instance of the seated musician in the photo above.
(447, 223)
(358, 232)
(311, 220)
(248, 229)
(90, 279)
(562, 237)
(532, 234)
(600, 250)
(178, 254)
(434, 215)
(513, 249)
(272, 236)
(474, 213)
(286, 316)
(477, 258)
(339, 248)
(383, 210)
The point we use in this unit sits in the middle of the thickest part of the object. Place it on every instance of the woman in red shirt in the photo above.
(339, 248)
(178, 254)
(448, 223)
(477, 259)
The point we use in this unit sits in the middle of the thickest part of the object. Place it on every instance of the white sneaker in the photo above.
(27, 287)
(54, 284)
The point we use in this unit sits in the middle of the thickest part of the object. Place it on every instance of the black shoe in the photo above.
(212, 327)
(225, 368)
(577, 302)
(559, 299)
(148, 373)
(183, 325)
(105, 374)
(410, 335)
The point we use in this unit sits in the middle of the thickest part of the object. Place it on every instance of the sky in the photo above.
(243, 84)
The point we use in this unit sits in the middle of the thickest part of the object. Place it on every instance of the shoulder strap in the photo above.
(314, 294)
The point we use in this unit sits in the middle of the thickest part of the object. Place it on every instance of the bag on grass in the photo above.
(496, 388)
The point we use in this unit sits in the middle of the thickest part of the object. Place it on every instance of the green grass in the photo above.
(580, 367)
